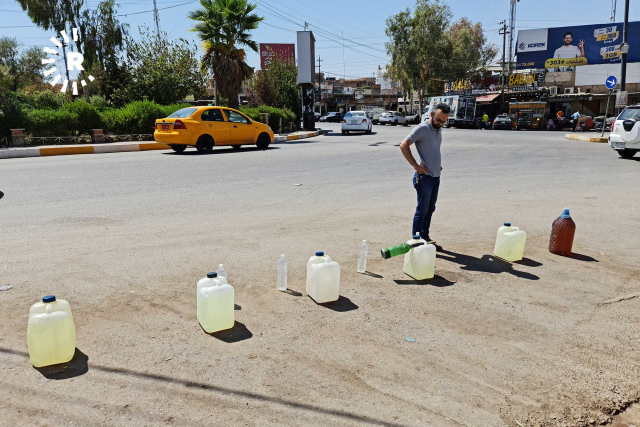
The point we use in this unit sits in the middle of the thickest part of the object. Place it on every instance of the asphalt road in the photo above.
(125, 237)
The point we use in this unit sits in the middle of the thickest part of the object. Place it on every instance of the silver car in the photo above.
(356, 121)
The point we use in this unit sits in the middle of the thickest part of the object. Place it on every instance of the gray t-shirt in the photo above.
(427, 141)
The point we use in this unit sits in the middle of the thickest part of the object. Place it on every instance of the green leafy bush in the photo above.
(51, 122)
(88, 116)
(275, 114)
(99, 102)
(135, 117)
(13, 114)
(40, 99)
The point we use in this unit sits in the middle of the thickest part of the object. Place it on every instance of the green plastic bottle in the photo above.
(400, 249)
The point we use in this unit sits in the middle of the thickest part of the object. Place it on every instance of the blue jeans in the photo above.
(427, 188)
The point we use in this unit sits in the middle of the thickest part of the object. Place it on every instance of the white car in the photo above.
(393, 118)
(356, 121)
(625, 136)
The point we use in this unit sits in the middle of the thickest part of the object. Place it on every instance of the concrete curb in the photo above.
(66, 150)
(16, 153)
(585, 138)
(286, 138)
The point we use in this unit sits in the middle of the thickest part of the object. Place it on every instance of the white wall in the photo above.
(588, 75)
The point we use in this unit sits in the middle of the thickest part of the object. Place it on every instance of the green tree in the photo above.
(284, 76)
(164, 71)
(425, 47)
(469, 48)
(224, 28)
(21, 67)
(262, 85)
(100, 32)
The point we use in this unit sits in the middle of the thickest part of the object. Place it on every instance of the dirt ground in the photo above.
(549, 341)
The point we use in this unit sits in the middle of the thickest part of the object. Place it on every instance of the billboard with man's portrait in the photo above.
(560, 49)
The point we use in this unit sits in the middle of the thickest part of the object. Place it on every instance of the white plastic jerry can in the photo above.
(323, 278)
(420, 262)
(51, 334)
(510, 243)
(215, 303)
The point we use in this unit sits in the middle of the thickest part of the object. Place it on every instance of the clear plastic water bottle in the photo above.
(222, 272)
(282, 273)
(362, 257)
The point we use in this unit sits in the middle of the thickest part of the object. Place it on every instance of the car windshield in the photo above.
(182, 114)
(630, 113)
(331, 114)
(355, 114)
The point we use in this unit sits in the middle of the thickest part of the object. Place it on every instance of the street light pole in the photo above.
(624, 47)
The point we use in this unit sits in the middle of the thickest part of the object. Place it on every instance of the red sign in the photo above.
(286, 52)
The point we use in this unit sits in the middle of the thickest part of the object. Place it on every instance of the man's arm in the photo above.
(405, 147)
(581, 47)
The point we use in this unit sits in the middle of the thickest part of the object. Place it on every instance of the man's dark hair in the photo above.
(443, 107)
(568, 33)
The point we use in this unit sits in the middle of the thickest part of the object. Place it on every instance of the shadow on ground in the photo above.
(239, 332)
(1, 194)
(581, 257)
(77, 366)
(342, 305)
(377, 276)
(528, 262)
(226, 391)
(437, 281)
(486, 264)
(218, 150)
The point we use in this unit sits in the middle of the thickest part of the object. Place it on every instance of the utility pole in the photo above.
(614, 4)
(624, 47)
(156, 18)
(66, 68)
(504, 33)
(320, 83)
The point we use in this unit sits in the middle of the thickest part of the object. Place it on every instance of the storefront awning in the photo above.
(487, 98)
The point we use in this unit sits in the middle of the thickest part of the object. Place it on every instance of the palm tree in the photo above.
(224, 27)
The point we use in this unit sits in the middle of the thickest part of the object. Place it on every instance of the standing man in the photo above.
(485, 120)
(428, 137)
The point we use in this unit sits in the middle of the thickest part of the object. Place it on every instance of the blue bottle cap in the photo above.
(49, 298)
(507, 224)
(319, 253)
(565, 213)
(212, 275)
(416, 236)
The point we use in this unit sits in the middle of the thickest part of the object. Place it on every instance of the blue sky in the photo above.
(362, 22)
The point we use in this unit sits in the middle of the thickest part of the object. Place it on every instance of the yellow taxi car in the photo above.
(206, 127)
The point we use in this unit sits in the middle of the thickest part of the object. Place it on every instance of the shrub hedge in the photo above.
(79, 117)
(275, 114)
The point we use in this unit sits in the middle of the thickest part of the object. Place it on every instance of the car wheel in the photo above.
(263, 141)
(406, 123)
(344, 133)
(626, 153)
(204, 144)
(236, 147)
(395, 123)
(178, 148)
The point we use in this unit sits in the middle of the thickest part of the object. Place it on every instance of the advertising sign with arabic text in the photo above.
(559, 49)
